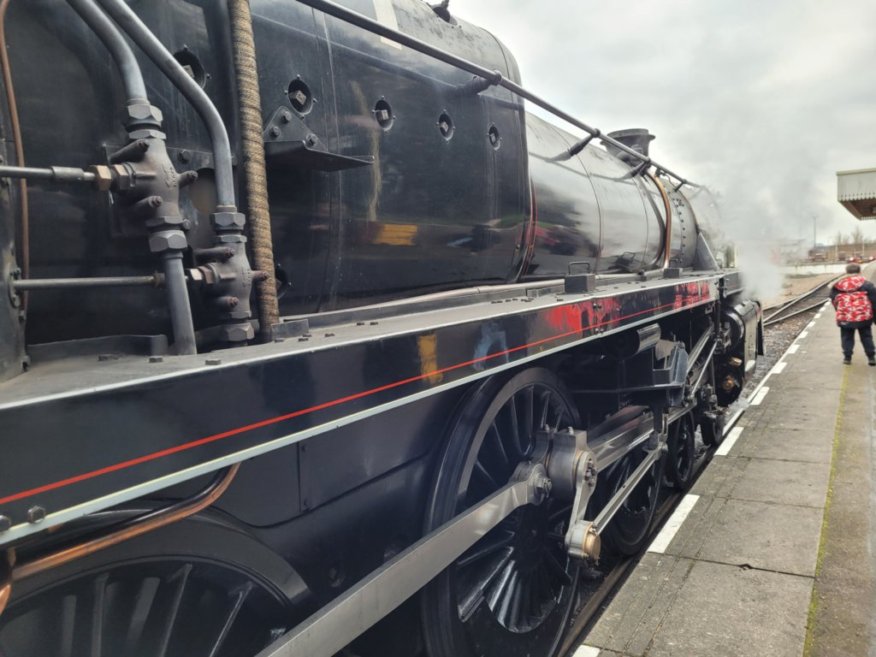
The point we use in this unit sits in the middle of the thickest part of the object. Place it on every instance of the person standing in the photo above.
(854, 298)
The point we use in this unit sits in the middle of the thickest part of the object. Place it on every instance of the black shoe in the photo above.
(847, 360)
(871, 361)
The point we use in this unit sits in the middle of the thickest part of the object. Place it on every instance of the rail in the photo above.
(490, 78)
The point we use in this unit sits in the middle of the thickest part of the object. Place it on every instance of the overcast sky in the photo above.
(761, 101)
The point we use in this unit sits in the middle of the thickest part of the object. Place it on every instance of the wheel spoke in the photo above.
(68, 625)
(182, 577)
(515, 424)
(556, 568)
(545, 410)
(484, 548)
(518, 596)
(236, 606)
(496, 440)
(481, 472)
(500, 600)
(97, 615)
(475, 595)
(529, 410)
(143, 602)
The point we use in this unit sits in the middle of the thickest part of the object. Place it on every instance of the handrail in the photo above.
(494, 78)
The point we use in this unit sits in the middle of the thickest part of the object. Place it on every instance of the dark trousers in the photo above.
(847, 337)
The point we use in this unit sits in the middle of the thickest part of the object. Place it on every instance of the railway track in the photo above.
(803, 303)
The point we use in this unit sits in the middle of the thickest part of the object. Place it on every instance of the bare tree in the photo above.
(858, 239)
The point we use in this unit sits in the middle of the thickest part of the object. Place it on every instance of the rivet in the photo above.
(36, 514)
(5, 523)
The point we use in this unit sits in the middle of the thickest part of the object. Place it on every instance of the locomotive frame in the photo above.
(93, 438)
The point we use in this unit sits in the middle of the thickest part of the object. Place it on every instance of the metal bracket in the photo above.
(288, 140)
(572, 468)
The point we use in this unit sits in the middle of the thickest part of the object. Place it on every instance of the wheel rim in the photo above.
(511, 592)
(682, 453)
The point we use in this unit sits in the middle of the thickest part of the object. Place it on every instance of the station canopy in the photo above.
(856, 191)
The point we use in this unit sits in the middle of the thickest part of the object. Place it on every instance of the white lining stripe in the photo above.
(793, 348)
(664, 538)
(725, 447)
(779, 367)
(758, 398)
(802, 335)
(587, 651)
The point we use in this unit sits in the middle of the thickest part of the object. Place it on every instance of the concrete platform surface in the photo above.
(770, 552)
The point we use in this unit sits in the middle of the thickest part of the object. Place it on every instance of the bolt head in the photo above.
(103, 177)
(138, 112)
(238, 332)
(5, 523)
(36, 514)
(167, 240)
(228, 220)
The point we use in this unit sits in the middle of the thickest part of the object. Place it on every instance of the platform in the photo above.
(770, 552)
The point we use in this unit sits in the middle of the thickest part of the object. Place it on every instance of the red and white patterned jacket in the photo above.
(853, 297)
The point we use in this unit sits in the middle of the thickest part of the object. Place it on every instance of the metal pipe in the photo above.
(135, 90)
(50, 174)
(155, 280)
(494, 77)
(120, 51)
(15, 127)
(131, 24)
(6, 561)
(667, 207)
(138, 526)
(178, 300)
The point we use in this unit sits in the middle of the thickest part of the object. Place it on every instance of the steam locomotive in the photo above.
(315, 341)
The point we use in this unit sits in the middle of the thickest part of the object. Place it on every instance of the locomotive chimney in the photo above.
(638, 139)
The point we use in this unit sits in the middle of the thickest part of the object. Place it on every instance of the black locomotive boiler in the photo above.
(314, 341)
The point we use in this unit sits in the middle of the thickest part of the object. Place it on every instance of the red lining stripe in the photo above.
(312, 409)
